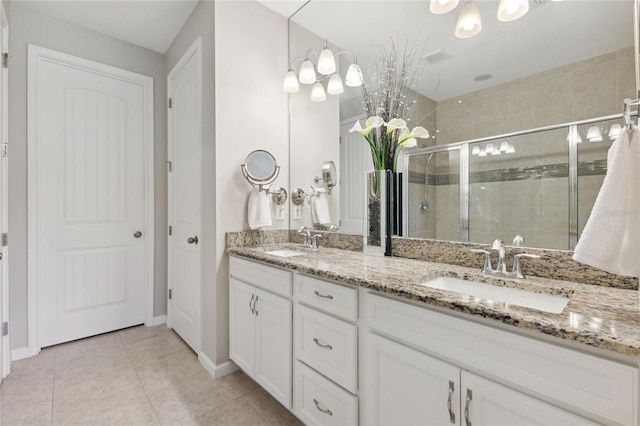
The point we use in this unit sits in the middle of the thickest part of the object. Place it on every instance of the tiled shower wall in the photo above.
(587, 89)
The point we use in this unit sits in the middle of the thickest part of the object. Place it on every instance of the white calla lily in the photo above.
(372, 123)
(410, 143)
(419, 132)
(396, 123)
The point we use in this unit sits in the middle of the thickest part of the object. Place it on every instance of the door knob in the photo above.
(193, 240)
(137, 234)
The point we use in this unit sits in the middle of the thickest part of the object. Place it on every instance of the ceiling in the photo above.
(152, 24)
(552, 34)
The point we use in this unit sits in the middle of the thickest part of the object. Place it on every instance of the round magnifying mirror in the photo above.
(261, 165)
(329, 174)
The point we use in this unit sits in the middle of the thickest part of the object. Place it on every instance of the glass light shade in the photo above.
(490, 148)
(334, 87)
(594, 135)
(443, 6)
(326, 62)
(482, 153)
(354, 76)
(496, 152)
(317, 93)
(475, 150)
(469, 22)
(504, 146)
(511, 150)
(290, 84)
(574, 134)
(307, 73)
(510, 10)
(614, 131)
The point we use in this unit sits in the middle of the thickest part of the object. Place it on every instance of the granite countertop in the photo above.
(602, 317)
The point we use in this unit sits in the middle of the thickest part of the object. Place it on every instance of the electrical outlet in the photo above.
(297, 212)
(280, 213)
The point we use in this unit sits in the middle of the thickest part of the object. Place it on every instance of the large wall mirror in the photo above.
(530, 89)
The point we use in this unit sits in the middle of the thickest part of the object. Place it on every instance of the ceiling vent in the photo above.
(436, 57)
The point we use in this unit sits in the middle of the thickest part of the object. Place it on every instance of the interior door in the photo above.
(185, 196)
(5, 359)
(87, 196)
(355, 162)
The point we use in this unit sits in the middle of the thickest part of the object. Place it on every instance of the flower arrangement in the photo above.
(386, 99)
(386, 140)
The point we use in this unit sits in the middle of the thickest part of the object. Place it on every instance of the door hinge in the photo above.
(5, 149)
(5, 60)
(5, 328)
(170, 103)
(5, 239)
(170, 294)
(170, 230)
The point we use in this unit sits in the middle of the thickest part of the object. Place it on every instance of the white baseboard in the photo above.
(20, 353)
(219, 370)
(159, 320)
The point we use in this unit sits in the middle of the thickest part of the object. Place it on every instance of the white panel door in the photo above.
(488, 403)
(407, 387)
(88, 225)
(185, 196)
(5, 359)
(355, 162)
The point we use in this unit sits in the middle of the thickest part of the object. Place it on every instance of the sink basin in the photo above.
(285, 253)
(511, 296)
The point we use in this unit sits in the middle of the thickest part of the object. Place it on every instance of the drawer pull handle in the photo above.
(324, 410)
(250, 302)
(324, 296)
(322, 345)
(466, 408)
(452, 416)
(255, 308)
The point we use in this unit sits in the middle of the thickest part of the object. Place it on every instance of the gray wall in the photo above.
(28, 27)
(201, 24)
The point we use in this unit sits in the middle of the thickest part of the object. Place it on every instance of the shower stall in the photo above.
(540, 184)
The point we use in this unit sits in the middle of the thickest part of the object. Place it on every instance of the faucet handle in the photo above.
(314, 240)
(517, 271)
(487, 260)
(518, 240)
(497, 244)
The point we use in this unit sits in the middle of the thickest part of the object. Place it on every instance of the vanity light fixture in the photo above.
(439, 7)
(504, 146)
(483, 153)
(574, 135)
(326, 68)
(510, 150)
(614, 131)
(594, 134)
(489, 148)
(317, 92)
(475, 150)
(496, 152)
(469, 22)
(510, 10)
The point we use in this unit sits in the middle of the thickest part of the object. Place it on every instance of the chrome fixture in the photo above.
(310, 241)
(469, 21)
(501, 267)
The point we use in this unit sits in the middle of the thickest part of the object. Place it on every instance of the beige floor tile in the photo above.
(135, 334)
(240, 412)
(29, 409)
(269, 408)
(82, 347)
(242, 383)
(155, 347)
(38, 382)
(164, 371)
(81, 368)
(103, 412)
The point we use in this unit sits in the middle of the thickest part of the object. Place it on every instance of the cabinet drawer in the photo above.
(327, 344)
(333, 298)
(318, 401)
(587, 383)
(274, 280)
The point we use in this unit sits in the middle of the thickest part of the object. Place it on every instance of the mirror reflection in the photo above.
(562, 62)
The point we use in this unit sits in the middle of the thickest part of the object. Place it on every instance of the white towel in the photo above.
(320, 209)
(611, 238)
(258, 210)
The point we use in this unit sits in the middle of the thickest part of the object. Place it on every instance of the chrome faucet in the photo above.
(501, 267)
(309, 240)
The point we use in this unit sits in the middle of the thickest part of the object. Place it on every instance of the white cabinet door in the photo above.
(274, 346)
(242, 325)
(488, 403)
(407, 387)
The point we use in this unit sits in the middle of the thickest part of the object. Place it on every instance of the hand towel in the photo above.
(611, 238)
(320, 209)
(258, 210)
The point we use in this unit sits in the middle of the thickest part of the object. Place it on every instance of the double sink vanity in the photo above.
(346, 337)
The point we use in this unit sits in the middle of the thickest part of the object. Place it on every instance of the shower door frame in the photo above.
(463, 148)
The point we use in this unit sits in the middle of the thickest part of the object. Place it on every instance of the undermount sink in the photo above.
(285, 253)
(511, 296)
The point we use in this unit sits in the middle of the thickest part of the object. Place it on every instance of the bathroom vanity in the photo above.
(342, 337)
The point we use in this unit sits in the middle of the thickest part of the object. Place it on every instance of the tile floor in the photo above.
(136, 376)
